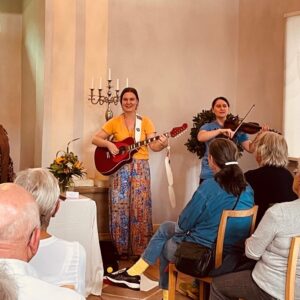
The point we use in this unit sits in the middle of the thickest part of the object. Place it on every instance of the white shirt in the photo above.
(270, 245)
(60, 262)
(32, 288)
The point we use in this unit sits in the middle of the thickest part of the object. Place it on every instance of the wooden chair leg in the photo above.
(172, 281)
(204, 290)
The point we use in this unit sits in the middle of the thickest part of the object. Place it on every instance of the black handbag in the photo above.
(194, 259)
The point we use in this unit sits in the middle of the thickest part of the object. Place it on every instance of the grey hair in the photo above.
(43, 186)
(271, 149)
(8, 286)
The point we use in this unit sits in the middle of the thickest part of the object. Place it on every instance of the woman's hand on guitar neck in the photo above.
(162, 141)
(159, 144)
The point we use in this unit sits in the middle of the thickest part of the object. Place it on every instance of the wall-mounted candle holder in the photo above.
(109, 98)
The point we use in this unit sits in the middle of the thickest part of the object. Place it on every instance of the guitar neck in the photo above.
(145, 142)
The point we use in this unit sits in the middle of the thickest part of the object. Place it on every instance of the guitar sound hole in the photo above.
(122, 150)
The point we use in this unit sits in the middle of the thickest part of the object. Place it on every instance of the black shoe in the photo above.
(123, 279)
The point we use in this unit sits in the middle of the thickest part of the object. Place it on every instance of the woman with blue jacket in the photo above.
(199, 220)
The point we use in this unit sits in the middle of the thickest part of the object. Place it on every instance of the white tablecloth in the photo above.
(76, 220)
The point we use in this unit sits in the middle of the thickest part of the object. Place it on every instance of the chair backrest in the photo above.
(222, 228)
(291, 268)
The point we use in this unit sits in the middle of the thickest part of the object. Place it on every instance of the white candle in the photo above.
(100, 83)
(92, 83)
(127, 82)
(117, 84)
(109, 74)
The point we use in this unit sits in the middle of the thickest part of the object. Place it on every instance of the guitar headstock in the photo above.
(178, 130)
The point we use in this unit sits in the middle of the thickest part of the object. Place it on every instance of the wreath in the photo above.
(206, 116)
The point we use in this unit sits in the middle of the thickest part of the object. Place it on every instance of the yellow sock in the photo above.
(165, 295)
(138, 268)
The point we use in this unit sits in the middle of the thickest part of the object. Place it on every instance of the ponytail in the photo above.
(230, 177)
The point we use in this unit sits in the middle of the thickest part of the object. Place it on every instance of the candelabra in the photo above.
(109, 98)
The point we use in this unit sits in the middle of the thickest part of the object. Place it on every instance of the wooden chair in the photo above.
(291, 268)
(205, 281)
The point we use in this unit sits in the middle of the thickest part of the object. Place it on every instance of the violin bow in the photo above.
(242, 121)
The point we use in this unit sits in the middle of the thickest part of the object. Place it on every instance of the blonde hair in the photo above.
(271, 149)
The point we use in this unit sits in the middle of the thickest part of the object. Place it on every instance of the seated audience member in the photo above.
(57, 261)
(271, 182)
(199, 220)
(19, 241)
(8, 287)
(269, 245)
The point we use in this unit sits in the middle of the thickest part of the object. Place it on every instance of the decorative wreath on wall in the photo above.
(206, 116)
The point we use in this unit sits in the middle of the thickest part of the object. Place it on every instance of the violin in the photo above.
(246, 127)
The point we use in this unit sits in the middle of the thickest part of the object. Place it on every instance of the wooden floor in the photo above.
(152, 273)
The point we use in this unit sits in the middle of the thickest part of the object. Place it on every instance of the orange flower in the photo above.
(59, 160)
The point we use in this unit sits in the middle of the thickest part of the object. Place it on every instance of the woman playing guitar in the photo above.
(130, 197)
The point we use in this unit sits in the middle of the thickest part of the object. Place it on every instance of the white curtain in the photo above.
(292, 85)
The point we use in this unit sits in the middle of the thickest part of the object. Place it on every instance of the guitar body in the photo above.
(107, 164)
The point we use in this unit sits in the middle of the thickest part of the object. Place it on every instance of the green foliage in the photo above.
(193, 145)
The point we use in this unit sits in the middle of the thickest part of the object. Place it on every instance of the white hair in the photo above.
(43, 186)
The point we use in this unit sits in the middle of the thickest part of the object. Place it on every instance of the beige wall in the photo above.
(179, 54)
(32, 83)
(75, 53)
(10, 73)
(261, 61)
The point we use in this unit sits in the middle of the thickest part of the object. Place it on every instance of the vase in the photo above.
(67, 184)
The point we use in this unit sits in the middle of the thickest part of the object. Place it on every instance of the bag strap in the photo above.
(236, 202)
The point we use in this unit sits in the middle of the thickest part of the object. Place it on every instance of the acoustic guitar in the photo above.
(107, 164)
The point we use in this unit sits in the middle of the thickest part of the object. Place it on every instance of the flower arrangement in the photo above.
(65, 165)
(193, 145)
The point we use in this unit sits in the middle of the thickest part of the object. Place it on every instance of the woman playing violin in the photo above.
(209, 131)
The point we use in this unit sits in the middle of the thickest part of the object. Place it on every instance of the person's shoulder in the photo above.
(115, 119)
(112, 122)
(210, 126)
(209, 185)
(286, 207)
(249, 192)
(35, 289)
(268, 172)
(282, 213)
(282, 171)
(147, 123)
(145, 118)
(250, 173)
(71, 244)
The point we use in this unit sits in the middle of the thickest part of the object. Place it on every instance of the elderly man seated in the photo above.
(57, 261)
(19, 241)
